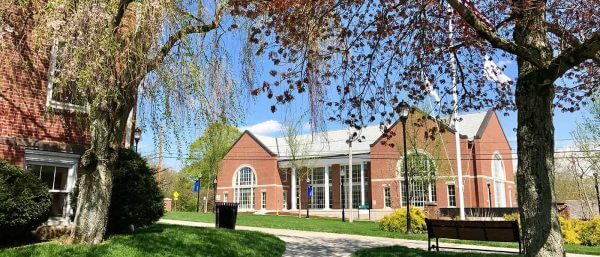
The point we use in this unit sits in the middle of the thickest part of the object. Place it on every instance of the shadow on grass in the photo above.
(410, 252)
(165, 240)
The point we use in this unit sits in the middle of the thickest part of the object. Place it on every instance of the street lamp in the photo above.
(342, 175)
(403, 110)
(214, 194)
(137, 135)
(489, 194)
(308, 194)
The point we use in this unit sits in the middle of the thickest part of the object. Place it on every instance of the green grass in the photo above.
(365, 228)
(164, 240)
(410, 252)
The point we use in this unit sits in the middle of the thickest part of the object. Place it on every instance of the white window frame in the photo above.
(448, 194)
(263, 200)
(225, 196)
(498, 181)
(52, 70)
(251, 186)
(284, 175)
(387, 196)
(57, 159)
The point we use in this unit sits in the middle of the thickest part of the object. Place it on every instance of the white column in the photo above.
(326, 187)
(350, 205)
(293, 189)
(362, 183)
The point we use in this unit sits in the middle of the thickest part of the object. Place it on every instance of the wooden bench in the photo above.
(497, 231)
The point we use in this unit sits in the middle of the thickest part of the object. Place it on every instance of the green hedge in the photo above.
(24, 201)
(136, 198)
(574, 231)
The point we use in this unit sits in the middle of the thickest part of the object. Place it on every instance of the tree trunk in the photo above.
(95, 186)
(92, 207)
(535, 174)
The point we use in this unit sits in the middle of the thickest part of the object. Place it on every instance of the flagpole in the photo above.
(456, 118)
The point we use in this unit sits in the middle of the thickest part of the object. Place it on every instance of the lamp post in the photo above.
(198, 200)
(343, 199)
(214, 194)
(137, 135)
(489, 194)
(308, 195)
(597, 190)
(403, 110)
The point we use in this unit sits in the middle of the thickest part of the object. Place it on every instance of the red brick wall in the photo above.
(385, 158)
(493, 141)
(247, 152)
(24, 120)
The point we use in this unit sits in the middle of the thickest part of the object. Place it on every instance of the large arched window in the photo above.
(499, 177)
(422, 172)
(245, 181)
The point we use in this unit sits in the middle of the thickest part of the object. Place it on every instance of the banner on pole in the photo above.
(196, 186)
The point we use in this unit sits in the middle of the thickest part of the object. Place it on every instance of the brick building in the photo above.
(257, 171)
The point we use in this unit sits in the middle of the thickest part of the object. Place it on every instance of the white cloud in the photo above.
(265, 128)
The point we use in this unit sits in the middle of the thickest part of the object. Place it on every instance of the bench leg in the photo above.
(437, 244)
(429, 244)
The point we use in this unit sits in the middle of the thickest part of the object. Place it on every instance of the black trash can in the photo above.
(225, 215)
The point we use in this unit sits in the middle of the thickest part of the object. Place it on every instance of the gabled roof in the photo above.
(472, 125)
(333, 143)
(255, 138)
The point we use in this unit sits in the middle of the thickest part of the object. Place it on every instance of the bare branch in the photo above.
(562, 33)
(484, 31)
(575, 56)
(181, 33)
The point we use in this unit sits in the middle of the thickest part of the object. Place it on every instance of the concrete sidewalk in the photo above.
(308, 243)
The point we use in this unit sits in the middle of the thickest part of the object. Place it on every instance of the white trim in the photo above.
(57, 159)
(51, 103)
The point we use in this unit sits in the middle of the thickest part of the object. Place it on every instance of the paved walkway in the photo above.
(308, 243)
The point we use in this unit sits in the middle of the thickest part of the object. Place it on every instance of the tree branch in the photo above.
(574, 56)
(484, 31)
(181, 33)
(562, 33)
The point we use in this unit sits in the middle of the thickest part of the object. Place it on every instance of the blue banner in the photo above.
(309, 191)
(196, 186)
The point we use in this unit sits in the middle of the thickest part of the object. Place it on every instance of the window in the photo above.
(57, 171)
(66, 96)
(263, 200)
(451, 196)
(355, 185)
(285, 199)
(225, 197)
(499, 177)
(387, 197)
(245, 182)
(318, 186)
(284, 175)
(422, 181)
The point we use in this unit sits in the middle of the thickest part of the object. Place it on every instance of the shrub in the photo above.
(589, 232)
(24, 201)
(513, 217)
(570, 230)
(396, 221)
(136, 199)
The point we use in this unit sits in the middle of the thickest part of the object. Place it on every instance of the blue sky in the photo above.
(259, 118)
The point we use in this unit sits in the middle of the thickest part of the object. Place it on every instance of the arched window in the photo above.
(499, 177)
(245, 181)
(422, 172)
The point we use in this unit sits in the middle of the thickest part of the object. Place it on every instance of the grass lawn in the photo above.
(410, 252)
(164, 240)
(365, 228)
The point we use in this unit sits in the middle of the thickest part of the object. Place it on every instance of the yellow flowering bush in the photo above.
(396, 221)
(589, 232)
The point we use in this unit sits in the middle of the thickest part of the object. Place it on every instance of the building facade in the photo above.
(266, 174)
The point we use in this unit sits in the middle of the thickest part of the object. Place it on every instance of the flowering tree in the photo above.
(110, 52)
(374, 53)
